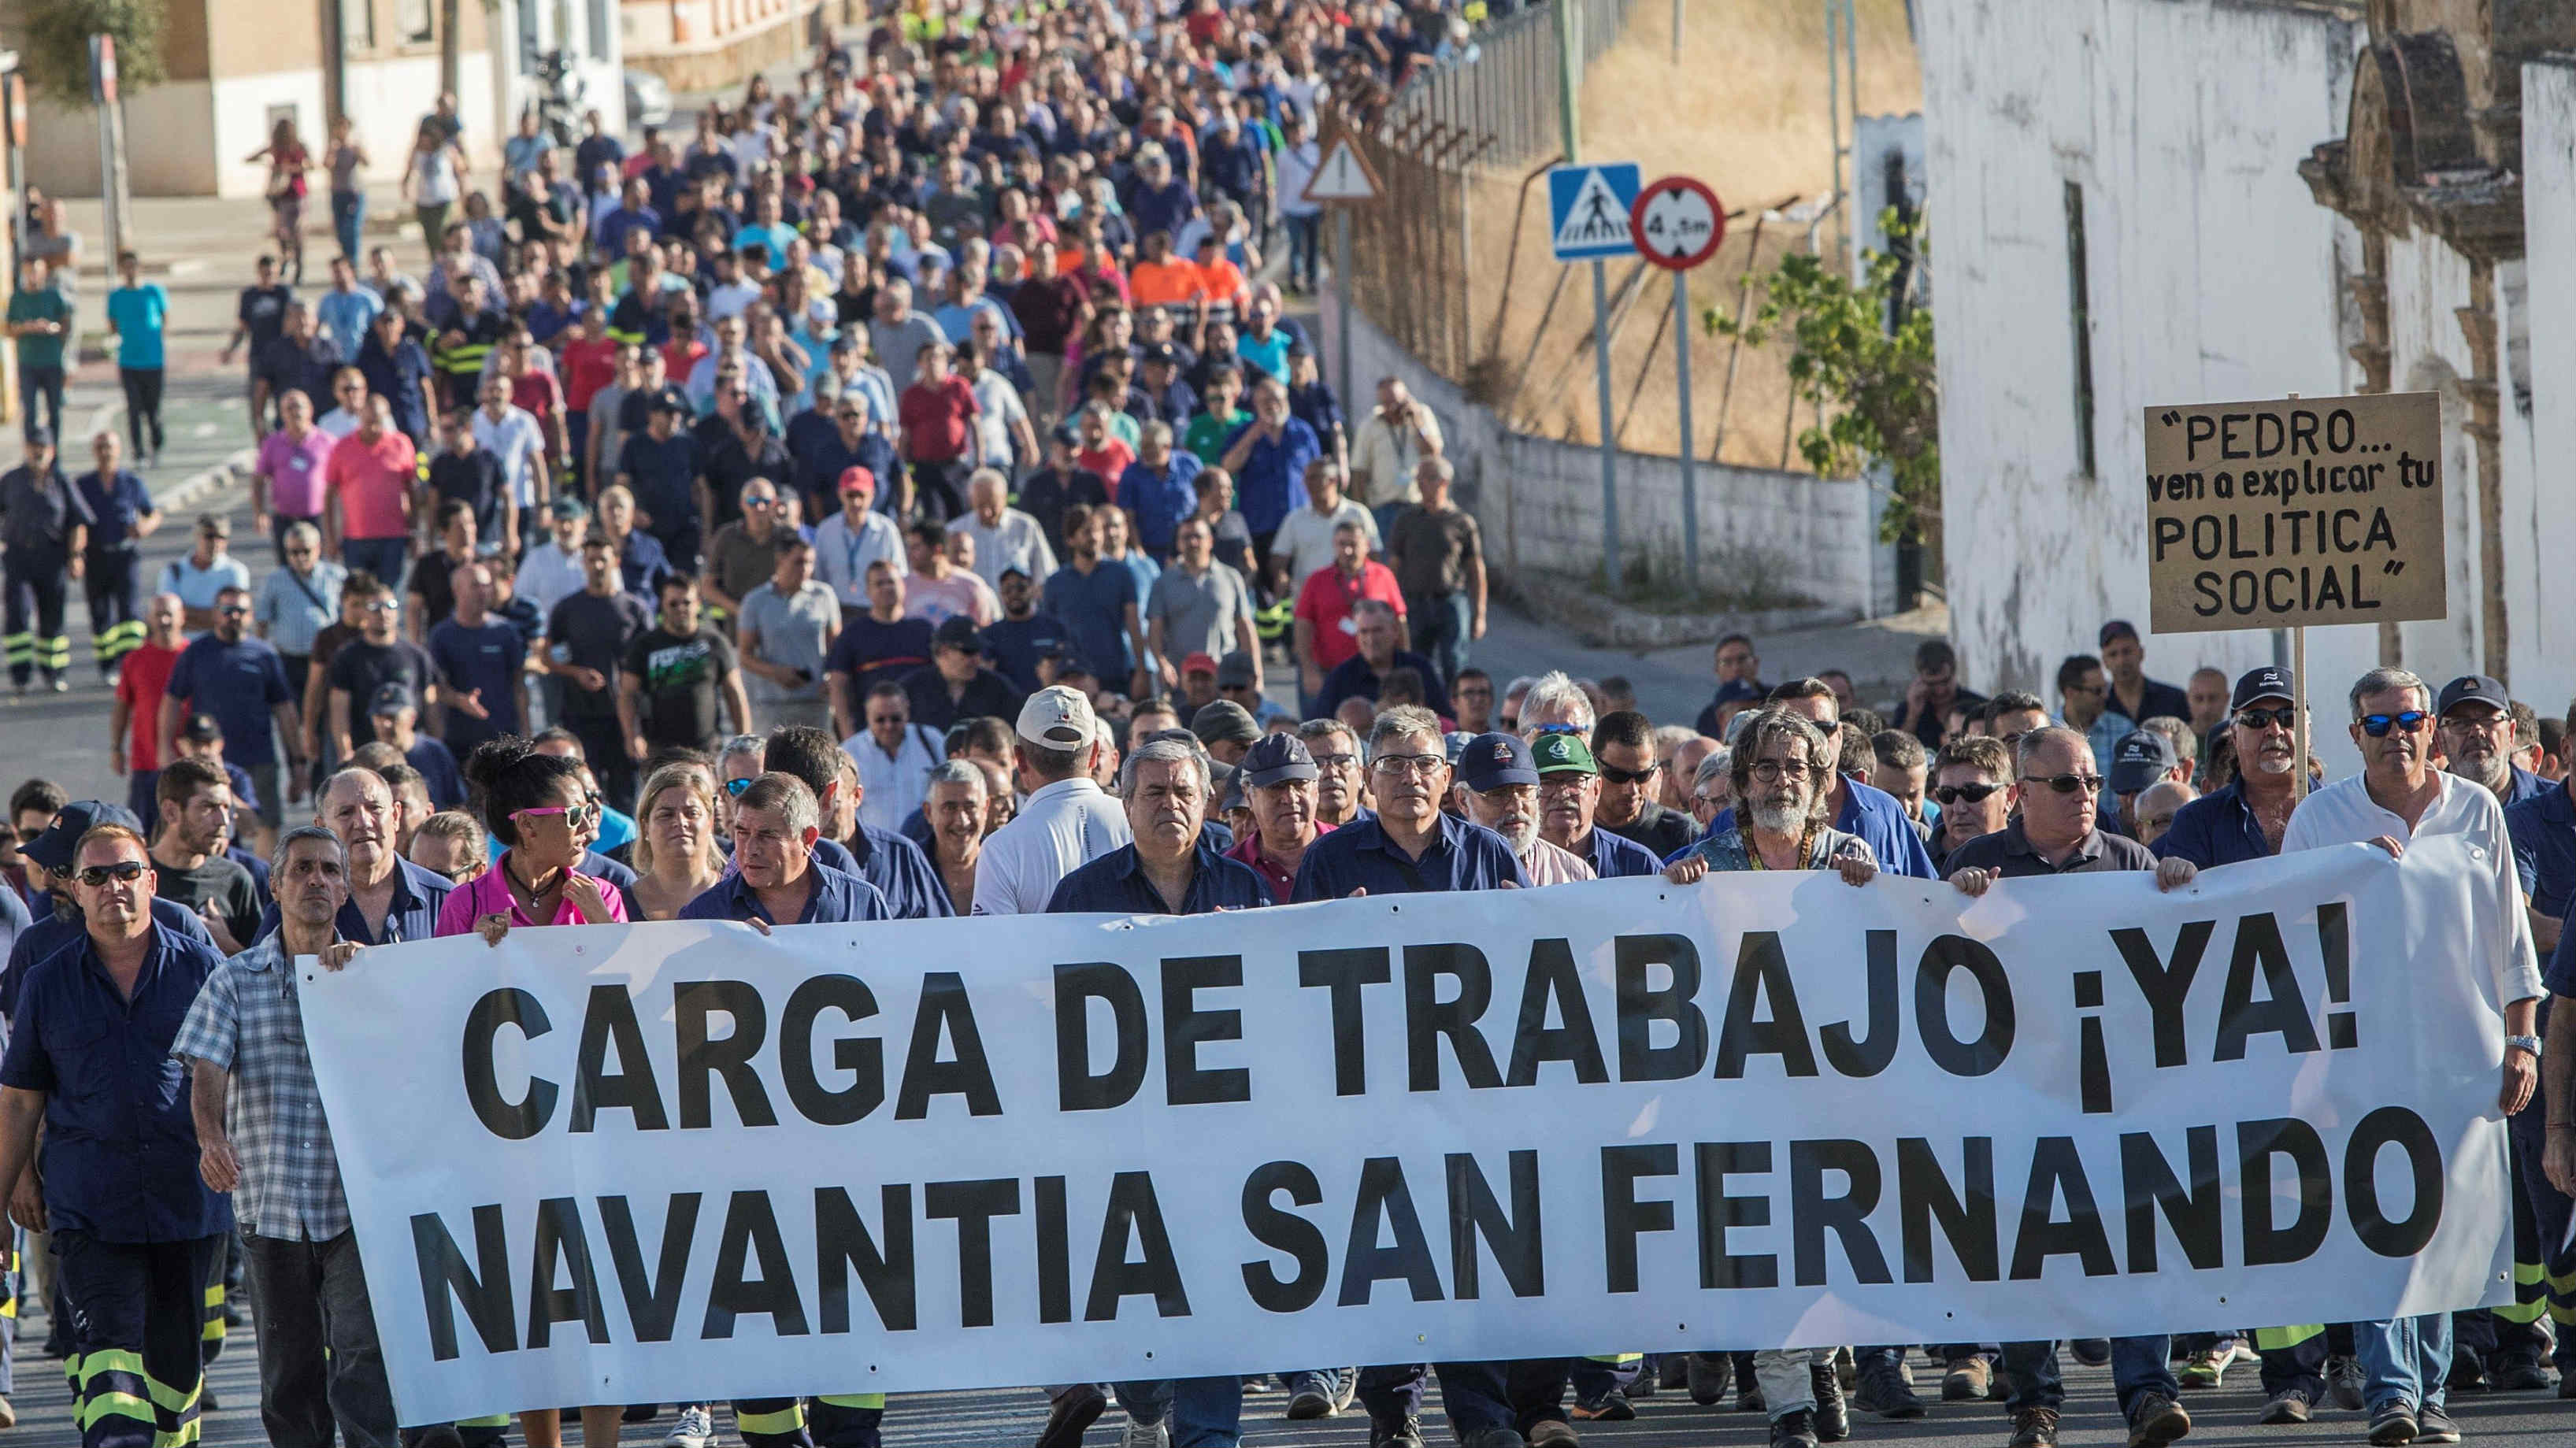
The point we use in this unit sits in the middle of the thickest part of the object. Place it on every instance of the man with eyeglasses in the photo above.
(2057, 793)
(1569, 791)
(1780, 764)
(205, 572)
(468, 472)
(138, 1234)
(348, 403)
(2477, 739)
(2399, 797)
(2084, 702)
(242, 682)
(744, 552)
(1498, 787)
(376, 657)
(1852, 806)
(1623, 746)
(2247, 819)
(1341, 777)
(831, 439)
(1411, 845)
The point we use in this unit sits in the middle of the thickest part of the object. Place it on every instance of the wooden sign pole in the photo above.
(2299, 683)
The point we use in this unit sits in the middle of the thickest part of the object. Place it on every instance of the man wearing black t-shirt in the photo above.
(660, 465)
(470, 474)
(878, 644)
(372, 660)
(586, 641)
(676, 674)
(189, 866)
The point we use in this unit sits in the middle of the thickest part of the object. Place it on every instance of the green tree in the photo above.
(1862, 357)
(57, 35)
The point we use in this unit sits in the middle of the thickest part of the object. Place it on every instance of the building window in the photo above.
(2080, 308)
(419, 21)
(358, 25)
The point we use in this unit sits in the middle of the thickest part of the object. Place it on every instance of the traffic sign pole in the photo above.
(1690, 476)
(1342, 296)
(1677, 224)
(1609, 439)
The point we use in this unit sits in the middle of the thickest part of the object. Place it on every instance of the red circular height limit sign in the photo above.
(1678, 223)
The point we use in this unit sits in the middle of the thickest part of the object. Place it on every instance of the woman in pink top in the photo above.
(542, 812)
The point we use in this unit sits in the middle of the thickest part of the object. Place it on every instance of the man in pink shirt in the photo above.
(286, 487)
(370, 478)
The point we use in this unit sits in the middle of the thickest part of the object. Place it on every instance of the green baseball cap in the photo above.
(1563, 754)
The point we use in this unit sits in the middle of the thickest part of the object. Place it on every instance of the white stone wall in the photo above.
(1539, 500)
(2211, 276)
(2540, 447)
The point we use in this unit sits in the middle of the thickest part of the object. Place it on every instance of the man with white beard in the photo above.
(1783, 767)
(1498, 788)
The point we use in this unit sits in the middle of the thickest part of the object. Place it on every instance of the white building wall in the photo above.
(2213, 275)
(2537, 504)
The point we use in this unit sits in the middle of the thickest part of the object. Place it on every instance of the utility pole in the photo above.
(1569, 59)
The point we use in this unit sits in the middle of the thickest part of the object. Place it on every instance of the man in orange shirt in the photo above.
(367, 509)
(1223, 289)
(1160, 279)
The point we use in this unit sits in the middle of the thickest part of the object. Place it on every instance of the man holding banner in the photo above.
(1782, 765)
(137, 1234)
(1411, 846)
(2055, 832)
(776, 822)
(2397, 798)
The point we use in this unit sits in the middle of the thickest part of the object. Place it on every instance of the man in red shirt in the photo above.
(1327, 633)
(134, 723)
(534, 391)
(367, 515)
(1052, 310)
(939, 442)
(589, 364)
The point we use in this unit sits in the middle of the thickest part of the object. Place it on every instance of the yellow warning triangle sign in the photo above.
(1343, 176)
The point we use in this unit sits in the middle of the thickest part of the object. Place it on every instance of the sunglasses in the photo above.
(123, 870)
(2067, 783)
(573, 814)
(233, 610)
(2259, 719)
(735, 787)
(2378, 725)
(384, 605)
(1972, 793)
(1557, 729)
(1612, 774)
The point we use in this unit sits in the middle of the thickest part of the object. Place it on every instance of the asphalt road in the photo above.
(1012, 1416)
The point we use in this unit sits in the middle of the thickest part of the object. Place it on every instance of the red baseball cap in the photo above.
(855, 479)
(1198, 664)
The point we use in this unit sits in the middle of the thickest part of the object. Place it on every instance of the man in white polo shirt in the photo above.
(2399, 797)
(1066, 822)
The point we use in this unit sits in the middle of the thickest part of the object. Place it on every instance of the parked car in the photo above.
(648, 99)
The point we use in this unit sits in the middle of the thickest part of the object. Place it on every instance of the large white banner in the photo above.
(682, 1161)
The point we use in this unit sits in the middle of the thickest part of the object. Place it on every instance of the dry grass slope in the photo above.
(1745, 111)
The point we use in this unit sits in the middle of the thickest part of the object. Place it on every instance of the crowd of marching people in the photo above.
(901, 499)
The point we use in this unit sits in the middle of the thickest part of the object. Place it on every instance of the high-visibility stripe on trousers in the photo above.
(115, 597)
(31, 622)
(135, 1325)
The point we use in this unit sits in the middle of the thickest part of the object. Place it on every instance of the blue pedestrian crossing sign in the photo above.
(1588, 206)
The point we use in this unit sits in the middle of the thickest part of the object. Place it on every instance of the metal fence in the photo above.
(1498, 110)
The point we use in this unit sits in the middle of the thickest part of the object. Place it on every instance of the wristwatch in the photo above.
(2530, 1044)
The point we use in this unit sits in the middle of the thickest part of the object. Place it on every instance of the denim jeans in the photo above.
(45, 385)
(319, 1362)
(1304, 234)
(2404, 1360)
(1474, 1394)
(1204, 1412)
(1442, 626)
(386, 558)
(2138, 1365)
(349, 221)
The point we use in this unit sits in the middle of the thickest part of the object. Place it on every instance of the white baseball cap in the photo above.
(1058, 717)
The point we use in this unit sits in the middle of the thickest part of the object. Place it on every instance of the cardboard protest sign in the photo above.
(2302, 511)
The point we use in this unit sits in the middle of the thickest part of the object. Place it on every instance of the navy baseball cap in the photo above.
(2473, 689)
(1734, 689)
(53, 849)
(1494, 761)
(2140, 759)
(1277, 759)
(2118, 628)
(2255, 685)
(392, 698)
